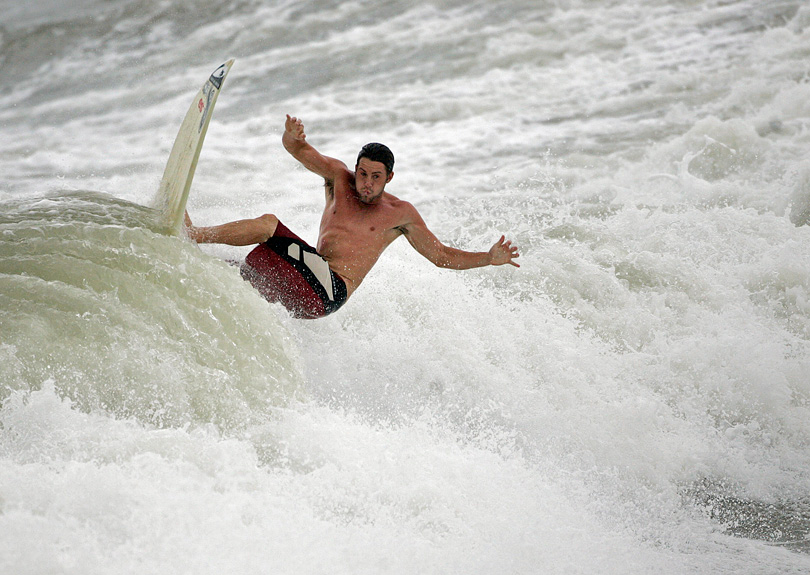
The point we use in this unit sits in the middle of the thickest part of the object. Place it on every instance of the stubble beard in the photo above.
(368, 199)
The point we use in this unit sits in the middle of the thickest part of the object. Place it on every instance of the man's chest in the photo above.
(345, 210)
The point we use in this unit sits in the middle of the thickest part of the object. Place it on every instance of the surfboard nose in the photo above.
(179, 172)
(219, 74)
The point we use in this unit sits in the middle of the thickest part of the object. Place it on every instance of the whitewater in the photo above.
(635, 398)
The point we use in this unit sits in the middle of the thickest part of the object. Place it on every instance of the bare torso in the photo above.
(353, 234)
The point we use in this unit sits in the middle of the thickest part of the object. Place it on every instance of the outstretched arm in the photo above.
(295, 142)
(426, 243)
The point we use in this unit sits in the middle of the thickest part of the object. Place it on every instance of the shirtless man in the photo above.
(359, 221)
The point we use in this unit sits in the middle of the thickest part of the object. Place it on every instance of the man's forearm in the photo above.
(292, 145)
(454, 259)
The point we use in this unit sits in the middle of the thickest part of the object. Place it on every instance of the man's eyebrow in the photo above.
(372, 172)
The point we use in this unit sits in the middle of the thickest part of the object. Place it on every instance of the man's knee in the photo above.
(268, 223)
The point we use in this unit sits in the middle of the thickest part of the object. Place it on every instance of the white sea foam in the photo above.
(633, 399)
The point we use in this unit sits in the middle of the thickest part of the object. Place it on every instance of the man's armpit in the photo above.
(329, 185)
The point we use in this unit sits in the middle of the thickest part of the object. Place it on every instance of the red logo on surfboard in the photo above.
(201, 105)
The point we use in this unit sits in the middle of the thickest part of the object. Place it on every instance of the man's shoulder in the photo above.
(340, 178)
(404, 213)
(340, 170)
(397, 204)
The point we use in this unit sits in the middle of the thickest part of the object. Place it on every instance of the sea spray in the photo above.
(124, 319)
(633, 399)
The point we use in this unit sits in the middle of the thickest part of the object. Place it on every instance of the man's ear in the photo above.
(391, 175)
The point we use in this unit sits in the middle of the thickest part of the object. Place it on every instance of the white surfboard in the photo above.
(172, 194)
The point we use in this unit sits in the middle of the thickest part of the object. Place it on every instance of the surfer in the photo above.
(359, 221)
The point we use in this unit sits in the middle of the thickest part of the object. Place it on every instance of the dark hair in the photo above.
(378, 153)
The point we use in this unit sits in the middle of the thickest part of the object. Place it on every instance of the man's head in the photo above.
(374, 169)
(378, 153)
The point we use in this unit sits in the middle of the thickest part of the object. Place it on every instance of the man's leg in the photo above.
(239, 233)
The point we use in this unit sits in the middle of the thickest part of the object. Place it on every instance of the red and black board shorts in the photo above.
(285, 269)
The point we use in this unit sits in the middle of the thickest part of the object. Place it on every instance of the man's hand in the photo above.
(294, 128)
(503, 252)
(295, 142)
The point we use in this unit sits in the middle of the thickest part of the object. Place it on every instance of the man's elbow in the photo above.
(444, 260)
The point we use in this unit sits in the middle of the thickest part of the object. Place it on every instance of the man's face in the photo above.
(370, 179)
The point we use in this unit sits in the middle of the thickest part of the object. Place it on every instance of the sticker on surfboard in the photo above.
(175, 185)
(219, 74)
